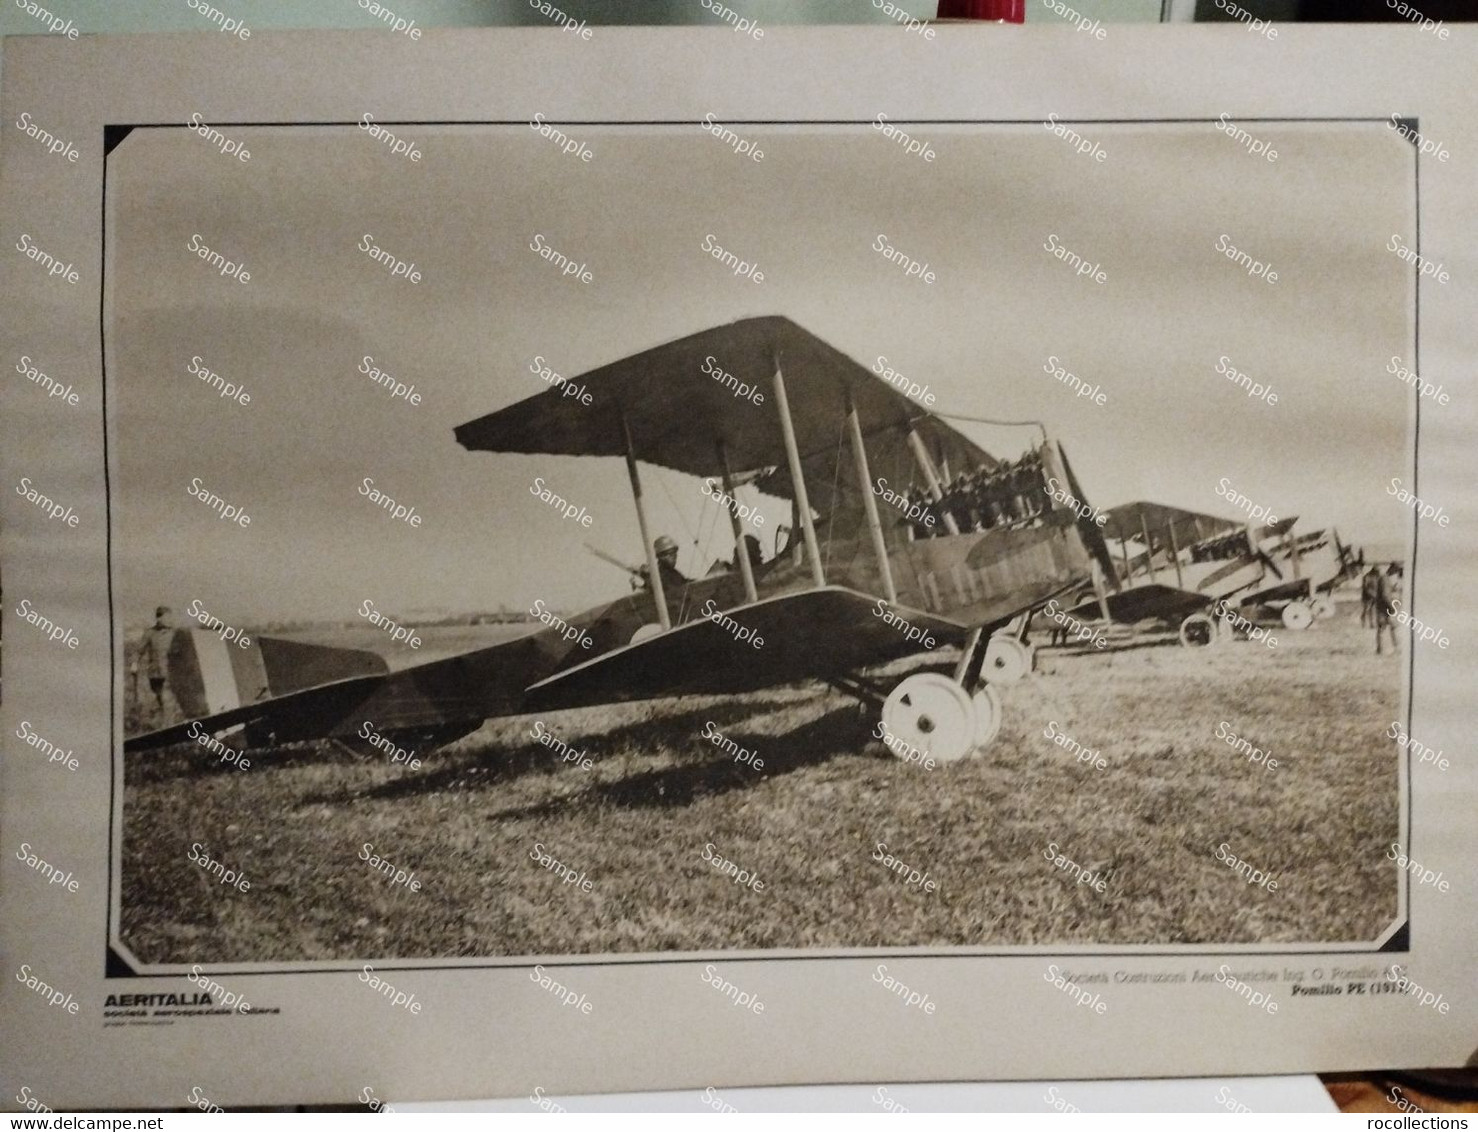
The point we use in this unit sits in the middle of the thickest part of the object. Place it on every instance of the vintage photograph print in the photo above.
(540, 540)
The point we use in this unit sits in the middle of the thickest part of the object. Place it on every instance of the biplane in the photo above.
(1199, 570)
(851, 586)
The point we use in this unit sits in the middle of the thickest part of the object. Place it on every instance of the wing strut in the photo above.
(654, 574)
(741, 554)
(869, 504)
(797, 478)
(1149, 547)
(931, 477)
(1175, 556)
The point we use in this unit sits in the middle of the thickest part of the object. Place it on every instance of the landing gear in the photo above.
(1297, 615)
(1199, 631)
(1007, 660)
(934, 715)
(1322, 607)
(989, 711)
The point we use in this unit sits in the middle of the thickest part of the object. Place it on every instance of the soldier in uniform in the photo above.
(153, 657)
(1387, 592)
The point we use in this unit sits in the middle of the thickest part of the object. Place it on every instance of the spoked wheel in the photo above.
(1198, 631)
(933, 714)
(1007, 661)
(988, 714)
(1297, 615)
(1322, 607)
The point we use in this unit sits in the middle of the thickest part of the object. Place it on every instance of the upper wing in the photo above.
(805, 635)
(1134, 520)
(722, 379)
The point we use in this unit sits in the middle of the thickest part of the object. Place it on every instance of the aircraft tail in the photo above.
(209, 675)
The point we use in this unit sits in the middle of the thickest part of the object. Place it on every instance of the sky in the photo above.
(1171, 428)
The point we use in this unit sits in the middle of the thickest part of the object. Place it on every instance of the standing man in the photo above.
(1369, 588)
(153, 657)
(1387, 592)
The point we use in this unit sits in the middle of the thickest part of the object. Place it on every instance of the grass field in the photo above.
(636, 824)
